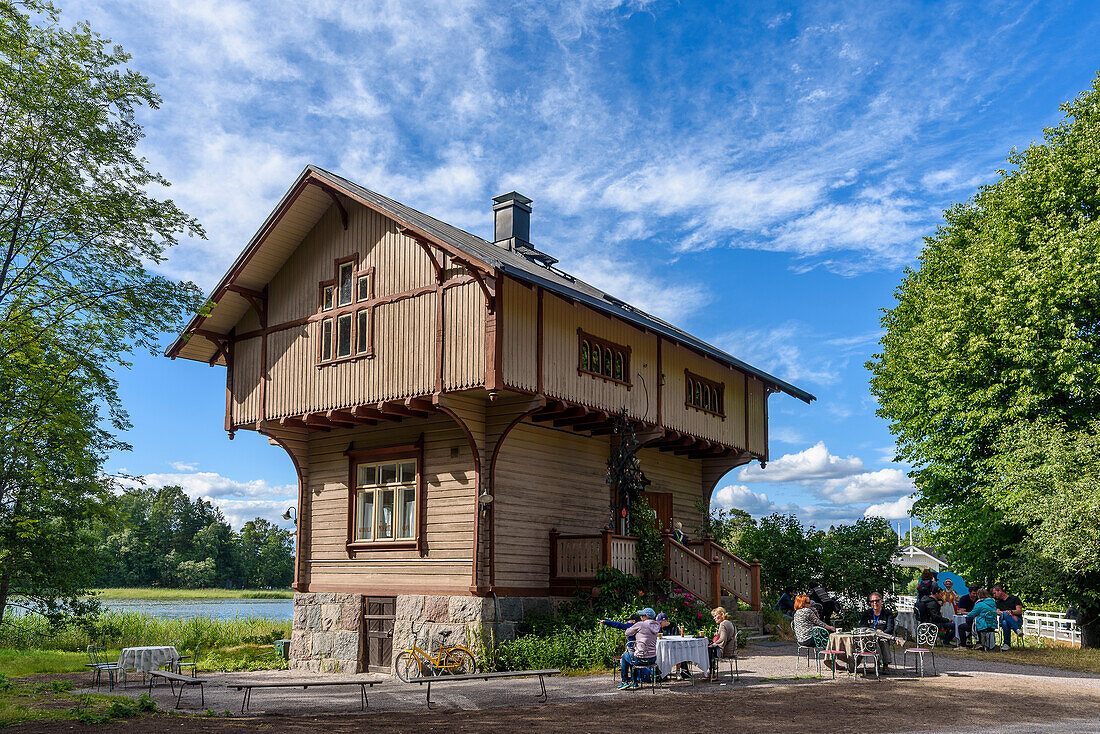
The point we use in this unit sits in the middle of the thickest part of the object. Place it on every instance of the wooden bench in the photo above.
(303, 684)
(542, 674)
(183, 680)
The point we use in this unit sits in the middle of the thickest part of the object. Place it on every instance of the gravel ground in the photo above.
(967, 695)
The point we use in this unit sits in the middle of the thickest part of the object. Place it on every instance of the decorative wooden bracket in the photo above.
(256, 299)
(490, 296)
(335, 199)
(221, 341)
(427, 248)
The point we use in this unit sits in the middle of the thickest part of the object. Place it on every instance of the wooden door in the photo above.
(661, 502)
(378, 648)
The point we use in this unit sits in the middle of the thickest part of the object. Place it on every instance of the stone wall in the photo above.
(326, 633)
(464, 616)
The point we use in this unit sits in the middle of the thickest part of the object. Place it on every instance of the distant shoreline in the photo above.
(151, 593)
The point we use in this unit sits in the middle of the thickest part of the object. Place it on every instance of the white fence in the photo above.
(1050, 625)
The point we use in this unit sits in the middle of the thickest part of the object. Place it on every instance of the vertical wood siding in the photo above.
(550, 478)
(520, 331)
(449, 483)
(757, 418)
(561, 377)
(678, 416)
(404, 331)
(463, 337)
(246, 381)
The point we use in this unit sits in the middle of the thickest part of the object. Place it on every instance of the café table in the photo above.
(959, 619)
(146, 659)
(846, 641)
(674, 649)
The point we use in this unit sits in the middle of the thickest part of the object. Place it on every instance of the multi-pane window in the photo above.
(385, 501)
(601, 358)
(703, 394)
(345, 326)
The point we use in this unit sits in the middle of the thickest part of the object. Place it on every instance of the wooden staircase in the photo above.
(702, 567)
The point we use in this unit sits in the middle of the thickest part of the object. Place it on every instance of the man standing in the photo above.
(1013, 614)
(882, 622)
(824, 597)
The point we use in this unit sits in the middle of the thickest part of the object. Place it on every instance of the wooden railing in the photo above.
(703, 567)
(737, 576)
(576, 558)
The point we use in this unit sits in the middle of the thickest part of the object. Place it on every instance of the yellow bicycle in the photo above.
(447, 659)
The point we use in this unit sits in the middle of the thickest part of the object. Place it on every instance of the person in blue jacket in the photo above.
(983, 617)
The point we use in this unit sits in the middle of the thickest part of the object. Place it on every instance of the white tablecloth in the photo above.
(959, 619)
(672, 650)
(145, 659)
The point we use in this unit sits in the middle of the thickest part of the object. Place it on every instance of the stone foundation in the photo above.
(326, 633)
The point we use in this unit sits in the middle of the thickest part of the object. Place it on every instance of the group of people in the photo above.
(818, 595)
(985, 610)
(805, 617)
(641, 630)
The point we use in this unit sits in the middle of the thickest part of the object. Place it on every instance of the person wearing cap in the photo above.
(644, 653)
(623, 626)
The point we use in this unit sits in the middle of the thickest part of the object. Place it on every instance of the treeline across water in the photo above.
(161, 537)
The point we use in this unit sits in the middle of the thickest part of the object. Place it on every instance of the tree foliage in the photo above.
(998, 328)
(79, 231)
(167, 539)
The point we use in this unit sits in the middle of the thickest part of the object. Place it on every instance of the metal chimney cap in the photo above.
(513, 196)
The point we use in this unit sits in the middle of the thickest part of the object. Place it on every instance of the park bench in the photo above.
(542, 674)
(303, 684)
(183, 680)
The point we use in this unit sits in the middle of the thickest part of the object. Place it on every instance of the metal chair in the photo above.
(98, 664)
(653, 673)
(866, 650)
(616, 657)
(821, 647)
(735, 673)
(927, 636)
(190, 661)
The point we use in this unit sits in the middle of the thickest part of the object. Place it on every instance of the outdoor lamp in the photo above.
(291, 513)
(485, 499)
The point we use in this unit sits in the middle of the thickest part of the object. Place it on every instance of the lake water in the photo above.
(217, 608)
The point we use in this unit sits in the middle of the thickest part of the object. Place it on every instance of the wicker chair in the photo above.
(927, 637)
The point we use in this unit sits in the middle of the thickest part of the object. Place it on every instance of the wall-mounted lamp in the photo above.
(485, 499)
(291, 513)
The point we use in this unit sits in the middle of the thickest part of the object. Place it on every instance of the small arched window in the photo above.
(607, 359)
(704, 394)
(618, 366)
(706, 397)
(585, 355)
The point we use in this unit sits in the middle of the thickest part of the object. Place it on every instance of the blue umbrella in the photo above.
(957, 581)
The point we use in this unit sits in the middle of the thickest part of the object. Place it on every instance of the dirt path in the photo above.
(948, 702)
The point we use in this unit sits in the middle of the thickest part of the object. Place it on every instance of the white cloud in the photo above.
(239, 501)
(785, 434)
(897, 510)
(812, 464)
(779, 351)
(182, 466)
(742, 498)
(867, 486)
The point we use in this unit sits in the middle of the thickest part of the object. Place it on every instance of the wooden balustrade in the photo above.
(702, 567)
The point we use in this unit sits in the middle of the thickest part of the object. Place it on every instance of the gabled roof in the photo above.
(303, 205)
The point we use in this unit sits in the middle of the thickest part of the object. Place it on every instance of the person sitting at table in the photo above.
(785, 605)
(805, 619)
(1012, 614)
(929, 611)
(631, 620)
(966, 602)
(881, 620)
(644, 652)
(983, 617)
(724, 642)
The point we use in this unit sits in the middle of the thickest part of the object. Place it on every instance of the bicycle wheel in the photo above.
(459, 661)
(407, 666)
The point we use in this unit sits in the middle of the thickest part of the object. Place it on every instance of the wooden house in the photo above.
(449, 405)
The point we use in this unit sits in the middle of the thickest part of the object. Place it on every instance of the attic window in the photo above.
(603, 359)
(346, 319)
(344, 280)
(705, 395)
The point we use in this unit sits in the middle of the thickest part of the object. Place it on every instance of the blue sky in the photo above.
(759, 174)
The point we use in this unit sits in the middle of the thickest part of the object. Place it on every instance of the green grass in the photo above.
(17, 663)
(183, 594)
(1084, 660)
(23, 701)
